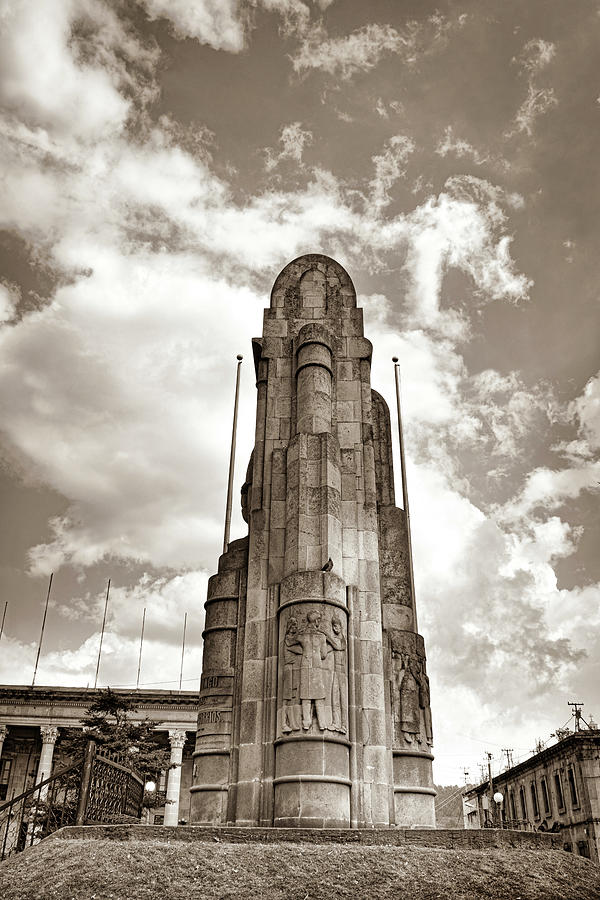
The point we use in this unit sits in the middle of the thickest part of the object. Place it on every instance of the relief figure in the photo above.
(424, 700)
(405, 698)
(312, 672)
(292, 651)
(339, 684)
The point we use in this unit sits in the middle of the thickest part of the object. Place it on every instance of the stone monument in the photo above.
(314, 699)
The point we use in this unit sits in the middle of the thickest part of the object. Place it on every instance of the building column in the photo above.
(177, 740)
(3, 736)
(49, 735)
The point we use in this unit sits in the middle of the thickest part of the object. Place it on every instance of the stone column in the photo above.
(177, 740)
(3, 736)
(49, 735)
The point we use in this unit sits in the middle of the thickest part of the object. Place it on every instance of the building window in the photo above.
(513, 811)
(583, 848)
(4, 777)
(523, 803)
(545, 796)
(560, 800)
(572, 786)
(534, 800)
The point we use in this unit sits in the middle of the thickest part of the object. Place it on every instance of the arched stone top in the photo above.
(294, 286)
(382, 448)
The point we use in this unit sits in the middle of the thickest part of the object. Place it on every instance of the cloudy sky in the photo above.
(161, 162)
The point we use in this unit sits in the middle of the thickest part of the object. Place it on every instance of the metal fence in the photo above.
(96, 789)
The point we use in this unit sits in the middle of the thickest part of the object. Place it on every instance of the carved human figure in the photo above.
(405, 692)
(424, 699)
(339, 686)
(292, 651)
(312, 675)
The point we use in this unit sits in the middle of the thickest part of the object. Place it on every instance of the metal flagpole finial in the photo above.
(232, 456)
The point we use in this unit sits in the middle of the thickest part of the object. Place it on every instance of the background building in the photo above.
(558, 789)
(31, 721)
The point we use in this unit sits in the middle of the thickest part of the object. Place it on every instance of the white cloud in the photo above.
(356, 52)
(166, 601)
(221, 24)
(537, 102)
(535, 56)
(293, 140)
(57, 78)
(586, 408)
(9, 297)
(463, 228)
(389, 167)
(450, 144)
(548, 489)
(463, 149)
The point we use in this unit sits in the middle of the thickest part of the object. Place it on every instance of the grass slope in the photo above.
(117, 870)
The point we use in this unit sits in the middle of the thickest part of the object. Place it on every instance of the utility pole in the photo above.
(509, 753)
(577, 705)
(490, 784)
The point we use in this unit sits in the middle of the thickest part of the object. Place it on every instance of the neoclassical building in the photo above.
(31, 721)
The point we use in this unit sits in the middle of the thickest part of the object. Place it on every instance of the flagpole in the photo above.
(405, 503)
(137, 684)
(102, 634)
(182, 651)
(3, 619)
(37, 659)
(232, 458)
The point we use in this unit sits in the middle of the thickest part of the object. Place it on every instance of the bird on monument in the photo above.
(328, 565)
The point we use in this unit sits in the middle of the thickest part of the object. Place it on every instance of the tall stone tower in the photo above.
(314, 699)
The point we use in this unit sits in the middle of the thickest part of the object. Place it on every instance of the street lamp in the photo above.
(498, 798)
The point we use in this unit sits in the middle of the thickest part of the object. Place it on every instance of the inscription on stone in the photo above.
(209, 717)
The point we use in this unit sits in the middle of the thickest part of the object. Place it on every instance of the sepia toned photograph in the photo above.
(299, 449)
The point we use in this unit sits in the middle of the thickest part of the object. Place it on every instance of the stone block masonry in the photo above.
(314, 705)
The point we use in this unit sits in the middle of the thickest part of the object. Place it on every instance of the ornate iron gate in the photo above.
(96, 789)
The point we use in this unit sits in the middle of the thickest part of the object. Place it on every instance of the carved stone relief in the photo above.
(314, 689)
(409, 691)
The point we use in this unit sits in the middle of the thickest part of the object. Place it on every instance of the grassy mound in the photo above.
(134, 870)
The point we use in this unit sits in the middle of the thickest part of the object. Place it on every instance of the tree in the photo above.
(108, 722)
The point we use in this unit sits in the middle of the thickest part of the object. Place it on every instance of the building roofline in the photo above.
(577, 737)
(24, 693)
